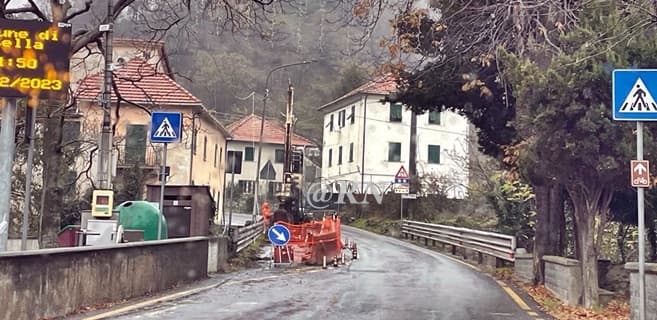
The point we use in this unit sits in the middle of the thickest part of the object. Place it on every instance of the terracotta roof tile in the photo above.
(382, 86)
(248, 129)
(139, 82)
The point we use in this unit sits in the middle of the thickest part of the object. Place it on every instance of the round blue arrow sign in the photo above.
(279, 235)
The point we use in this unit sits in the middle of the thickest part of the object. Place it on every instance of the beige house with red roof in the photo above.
(245, 135)
(366, 140)
(144, 83)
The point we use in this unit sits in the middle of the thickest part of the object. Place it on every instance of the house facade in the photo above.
(366, 141)
(245, 135)
(143, 84)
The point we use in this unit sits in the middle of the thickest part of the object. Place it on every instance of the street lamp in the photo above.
(262, 128)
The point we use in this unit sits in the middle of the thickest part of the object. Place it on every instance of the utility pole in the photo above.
(412, 164)
(262, 129)
(104, 175)
(7, 136)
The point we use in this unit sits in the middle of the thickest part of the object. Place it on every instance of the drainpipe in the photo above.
(362, 160)
(193, 148)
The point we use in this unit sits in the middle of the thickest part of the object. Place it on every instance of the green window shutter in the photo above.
(395, 112)
(135, 143)
(248, 154)
(434, 154)
(394, 152)
(279, 156)
(330, 157)
(216, 149)
(351, 152)
(71, 131)
(434, 117)
(340, 155)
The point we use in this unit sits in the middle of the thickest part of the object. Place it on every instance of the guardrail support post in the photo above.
(426, 241)
(433, 243)
(453, 250)
(480, 258)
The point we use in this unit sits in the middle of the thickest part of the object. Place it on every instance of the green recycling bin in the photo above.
(142, 215)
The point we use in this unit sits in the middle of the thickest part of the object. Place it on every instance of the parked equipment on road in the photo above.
(310, 241)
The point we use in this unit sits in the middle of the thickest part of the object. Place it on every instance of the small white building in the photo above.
(366, 141)
(245, 136)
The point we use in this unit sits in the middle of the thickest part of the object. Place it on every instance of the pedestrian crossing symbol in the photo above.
(632, 95)
(165, 127)
(639, 99)
(165, 130)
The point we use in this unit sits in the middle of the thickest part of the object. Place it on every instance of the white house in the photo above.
(245, 136)
(366, 141)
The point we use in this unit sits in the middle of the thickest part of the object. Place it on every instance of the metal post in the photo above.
(7, 136)
(163, 182)
(104, 175)
(401, 209)
(642, 226)
(29, 135)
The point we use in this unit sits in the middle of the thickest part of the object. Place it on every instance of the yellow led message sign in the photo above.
(34, 59)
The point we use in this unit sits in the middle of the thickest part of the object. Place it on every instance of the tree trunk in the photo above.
(620, 240)
(557, 227)
(53, 160)
(652, 239)
(585, 221)
(550, 227)
(541, 237)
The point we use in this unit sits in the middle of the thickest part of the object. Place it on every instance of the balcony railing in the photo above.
(146, 158)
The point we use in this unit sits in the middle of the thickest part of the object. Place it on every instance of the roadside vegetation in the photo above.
(249, 257)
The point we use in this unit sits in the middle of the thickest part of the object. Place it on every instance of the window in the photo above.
(279, 156)
(330, 124)
(351, 152)
(434, 154)
(394, 152)
(246, 186)
(273, 188)
(434, 117)
(135, 143)
(353, 114)
(340, 155)
(330, 157)
(395, 112)
(341, 118)
(248, 153)
(205, 148)
(234, 162)
(216, 148)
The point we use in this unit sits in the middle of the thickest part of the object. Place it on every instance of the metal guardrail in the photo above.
(495, 244)
(244, 236)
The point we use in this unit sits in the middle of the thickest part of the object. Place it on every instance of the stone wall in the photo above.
(53, 282)
(563, 279)
(651, 289)
(523, 267)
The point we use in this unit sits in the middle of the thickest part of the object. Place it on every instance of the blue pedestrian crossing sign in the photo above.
(166, 127)
(279, 235)
(633, 94)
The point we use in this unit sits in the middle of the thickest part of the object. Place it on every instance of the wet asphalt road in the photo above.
(390, 280)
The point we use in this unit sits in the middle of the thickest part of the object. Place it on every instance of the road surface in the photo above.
(390, 280)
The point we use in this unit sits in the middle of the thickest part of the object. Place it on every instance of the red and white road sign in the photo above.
(640, 170)
(401, 173)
